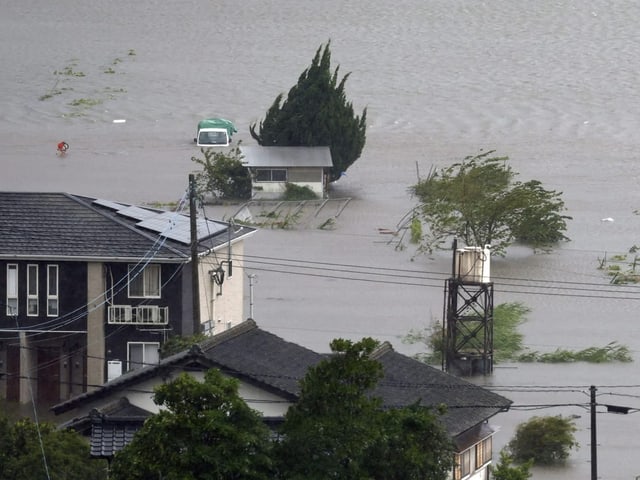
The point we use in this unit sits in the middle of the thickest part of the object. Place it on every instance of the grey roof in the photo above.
(114, 427)
(38, 225)
(266, 360)
(407, 381)
(286, 157)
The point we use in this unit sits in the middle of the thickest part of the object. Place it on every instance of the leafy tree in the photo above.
(178, 343)
(480, 202)
(338, 430)
(316, 113)
(505, 470)
(223, 176)
(204, 431)
(544, 440)
(413, 446)
(30, 450)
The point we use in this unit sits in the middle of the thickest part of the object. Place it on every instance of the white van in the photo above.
(214, 132)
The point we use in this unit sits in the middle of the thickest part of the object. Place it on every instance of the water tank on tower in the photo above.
(472, 264)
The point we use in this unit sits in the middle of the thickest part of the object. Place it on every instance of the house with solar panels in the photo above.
(91, 289)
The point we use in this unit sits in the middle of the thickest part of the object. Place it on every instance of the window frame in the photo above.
(462, 466)
(131, 365)
(261, 172)
(12, 294)
(32, 290)
(53, 295)
(144, 275)
(484, 452)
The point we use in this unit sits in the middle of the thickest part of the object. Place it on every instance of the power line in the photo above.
(373, 274)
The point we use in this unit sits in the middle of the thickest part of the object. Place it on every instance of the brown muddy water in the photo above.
(552, 84)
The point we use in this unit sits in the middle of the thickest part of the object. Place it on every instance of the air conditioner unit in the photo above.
(114, 369)
(472, 264)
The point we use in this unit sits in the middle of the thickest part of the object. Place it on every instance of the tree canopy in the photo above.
(205, 431)
(543, 440)
(29, 450)
(223, 175)
(505, 470)
(316, 113)
(479, 202)
(337, 429)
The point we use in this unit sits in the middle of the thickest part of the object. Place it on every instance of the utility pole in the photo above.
(195, 280)
(594, 439)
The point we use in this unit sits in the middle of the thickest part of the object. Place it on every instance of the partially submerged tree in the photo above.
(479, 202)
(338, 430)
(223, 175)
(507, 340)
(316, 113)
(204, 431)
(544, 440)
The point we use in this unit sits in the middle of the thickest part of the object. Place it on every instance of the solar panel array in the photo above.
(174, 226)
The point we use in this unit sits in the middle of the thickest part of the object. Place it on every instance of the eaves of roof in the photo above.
(187, 358)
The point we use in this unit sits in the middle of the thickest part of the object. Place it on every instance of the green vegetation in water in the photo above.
(416, 230)
(70, 73)
(295, 192)
(612, 352)
(507, 342)
(621, 268)
(85, 102)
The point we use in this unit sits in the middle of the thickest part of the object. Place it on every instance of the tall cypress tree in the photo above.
(316, 113)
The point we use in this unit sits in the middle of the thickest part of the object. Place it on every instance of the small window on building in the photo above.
(141, 354)
(462, 468)
(32, 290)
(52, 290)
(483, 452)
(144, 283)
(12, 289)
(271, 175)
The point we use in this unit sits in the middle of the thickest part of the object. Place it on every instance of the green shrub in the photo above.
(296, 192)
(544, 440)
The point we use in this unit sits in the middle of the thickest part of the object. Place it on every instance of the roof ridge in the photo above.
(235, 331)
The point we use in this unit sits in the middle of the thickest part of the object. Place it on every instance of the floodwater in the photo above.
(552, 84)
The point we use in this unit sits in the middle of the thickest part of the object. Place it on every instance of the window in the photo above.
(144, 283)
(142, 354)
(12, 289)
(271, 175)
(483, 452)
(32, 290)
(463, 465)
(52, 290)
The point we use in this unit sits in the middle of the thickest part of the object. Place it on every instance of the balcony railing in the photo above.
(141, 315)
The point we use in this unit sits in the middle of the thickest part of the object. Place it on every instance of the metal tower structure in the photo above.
(468, 323)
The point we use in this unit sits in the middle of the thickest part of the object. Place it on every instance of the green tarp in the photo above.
(218, 123)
